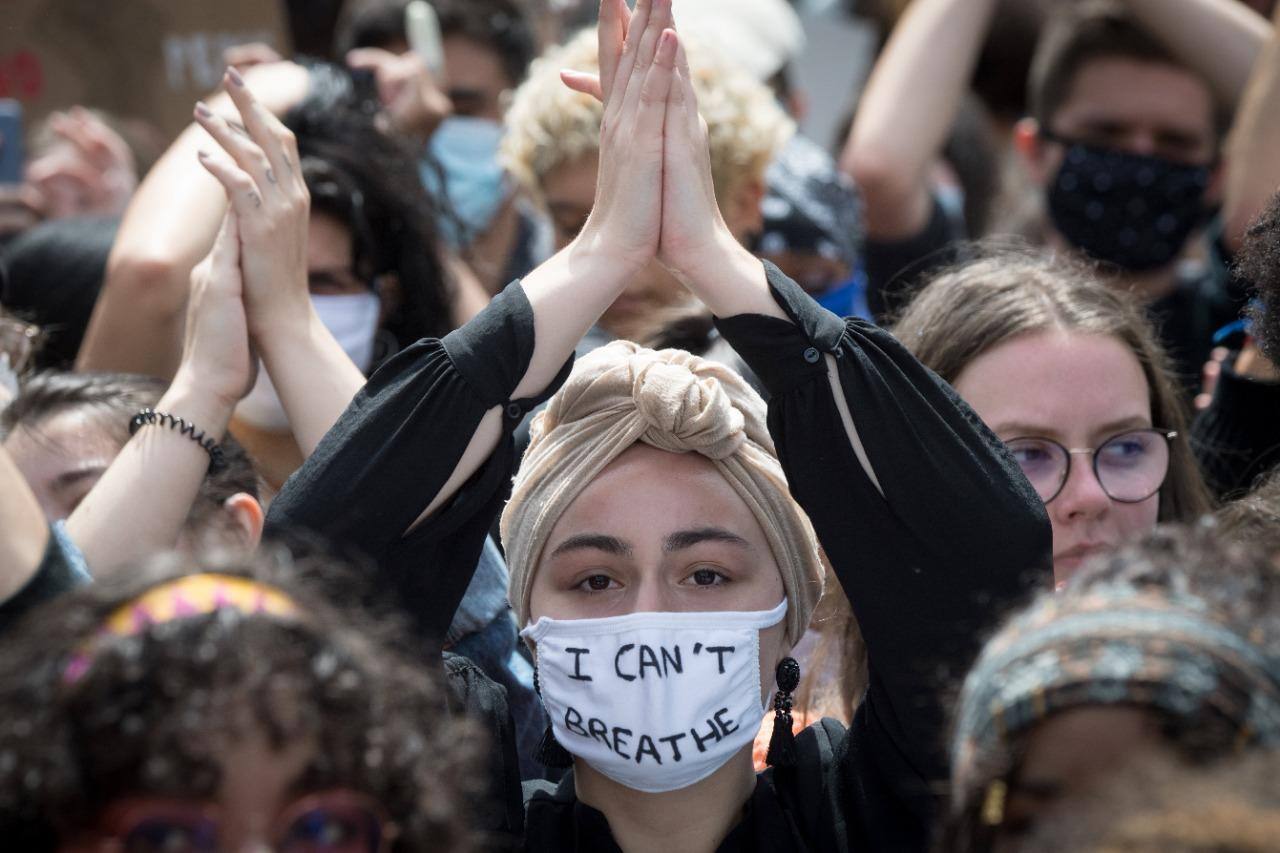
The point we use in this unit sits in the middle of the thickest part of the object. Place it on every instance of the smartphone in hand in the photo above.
(12, 154)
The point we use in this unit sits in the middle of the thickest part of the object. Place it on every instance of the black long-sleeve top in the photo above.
(1235, 439)
(929, 565)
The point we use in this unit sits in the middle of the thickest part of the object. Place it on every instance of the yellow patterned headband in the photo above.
(193, 595)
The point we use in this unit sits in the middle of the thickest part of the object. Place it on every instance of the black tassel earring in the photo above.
(782, 745)
(549, 752)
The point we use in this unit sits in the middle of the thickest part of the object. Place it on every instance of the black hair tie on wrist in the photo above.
(150, 417)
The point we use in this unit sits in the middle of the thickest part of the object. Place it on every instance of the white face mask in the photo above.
(654, 701)
(352, 319)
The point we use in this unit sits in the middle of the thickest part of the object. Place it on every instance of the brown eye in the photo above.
(707, 577)
(596, 583)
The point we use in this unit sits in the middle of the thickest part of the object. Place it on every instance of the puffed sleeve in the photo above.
(396, 445)
(928, 522)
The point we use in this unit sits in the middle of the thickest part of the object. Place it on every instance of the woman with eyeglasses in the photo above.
(1068, 373)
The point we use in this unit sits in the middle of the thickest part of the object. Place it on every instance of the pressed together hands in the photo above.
(655, 199)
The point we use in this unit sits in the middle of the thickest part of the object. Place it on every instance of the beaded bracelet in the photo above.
(148, 417)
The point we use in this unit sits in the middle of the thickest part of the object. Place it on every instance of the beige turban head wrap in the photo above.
(621, 394)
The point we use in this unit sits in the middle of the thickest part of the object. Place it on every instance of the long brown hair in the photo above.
(1008, 291)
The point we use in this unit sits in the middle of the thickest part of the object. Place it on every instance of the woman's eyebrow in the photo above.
(682, 539)
(593, 542)
(70, 479)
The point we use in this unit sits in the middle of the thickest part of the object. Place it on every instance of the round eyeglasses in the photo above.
(1130, 467)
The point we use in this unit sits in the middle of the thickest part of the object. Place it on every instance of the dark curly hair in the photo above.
(149, 713)
(115, 398)
(1258, 263)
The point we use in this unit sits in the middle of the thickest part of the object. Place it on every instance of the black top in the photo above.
(897, 269)
(385, 459)
(1204, 299)
(929, 566)
(1235, 439)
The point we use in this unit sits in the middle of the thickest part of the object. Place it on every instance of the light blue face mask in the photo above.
(475, 186)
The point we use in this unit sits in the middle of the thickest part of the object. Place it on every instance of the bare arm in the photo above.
(169, 226)
(1219, 38)
(908, 108)
(469, 294)
(141, 503)
(1253, 170)
(24, 534)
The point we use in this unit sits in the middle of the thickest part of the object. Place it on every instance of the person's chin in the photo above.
(1067, 564)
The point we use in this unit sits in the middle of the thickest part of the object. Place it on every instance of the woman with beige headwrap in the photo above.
(663, 562)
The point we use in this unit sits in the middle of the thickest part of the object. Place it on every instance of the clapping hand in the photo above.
(215, 354)
(637, 64)
(692, 228)
(261, 172)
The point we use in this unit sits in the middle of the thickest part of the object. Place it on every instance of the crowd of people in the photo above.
(535, 442)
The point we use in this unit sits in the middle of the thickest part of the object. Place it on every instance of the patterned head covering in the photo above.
(810, 207)
(183, 598)
(1112, 642)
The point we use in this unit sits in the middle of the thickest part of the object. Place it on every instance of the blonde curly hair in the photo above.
(549, 125)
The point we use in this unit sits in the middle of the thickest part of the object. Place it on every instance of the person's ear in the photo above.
(390, 294)
(744, 216)
(246, 517)
(1217, 185)
(1031, 147)
(797, 106)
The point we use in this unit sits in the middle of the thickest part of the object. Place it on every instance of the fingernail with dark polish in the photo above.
(203, 110)
(234, 76)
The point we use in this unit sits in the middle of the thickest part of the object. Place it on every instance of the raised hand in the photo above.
(406, 88)
(637, 59)
(693, 229)
(90, 171)
(694, 241)
(215, 353)
(262, 176)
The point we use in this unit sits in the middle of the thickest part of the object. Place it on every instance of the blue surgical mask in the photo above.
(475, 186)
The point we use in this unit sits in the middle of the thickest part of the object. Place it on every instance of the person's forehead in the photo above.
(471, 64)
(60, 452)
(1155, 95)
(648, 493)
(329, 245)
(1058, 384)
(71, 434)
(571, 184)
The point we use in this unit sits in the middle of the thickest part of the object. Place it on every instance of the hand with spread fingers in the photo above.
(88, 171)
(260, 170)
(638, 54)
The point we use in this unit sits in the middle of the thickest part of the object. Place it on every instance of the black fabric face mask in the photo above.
(1131, 210)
